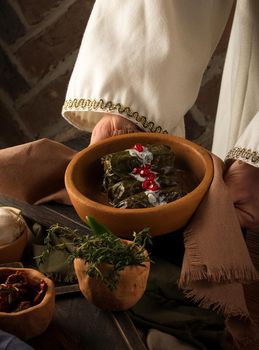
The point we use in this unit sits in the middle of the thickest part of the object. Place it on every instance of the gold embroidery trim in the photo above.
(243, 153)
(89, 105)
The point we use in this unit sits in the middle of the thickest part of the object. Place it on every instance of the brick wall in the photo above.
(39, 41)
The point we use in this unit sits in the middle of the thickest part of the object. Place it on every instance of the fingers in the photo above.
(242, 180)
(125, 131)
(100, 132)
(111, 125)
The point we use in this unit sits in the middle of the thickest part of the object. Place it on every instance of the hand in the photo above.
(112, 124)
(242, 180)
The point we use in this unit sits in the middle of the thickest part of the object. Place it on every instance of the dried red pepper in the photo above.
(17, 293)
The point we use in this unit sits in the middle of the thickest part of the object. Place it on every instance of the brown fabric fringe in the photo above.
(217, 262)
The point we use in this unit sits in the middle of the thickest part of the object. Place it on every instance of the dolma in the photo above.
(167, 180)
(123, 189)
(163, 159)
(119, 165)
(149, 199)
(130, 186)
(141, 177)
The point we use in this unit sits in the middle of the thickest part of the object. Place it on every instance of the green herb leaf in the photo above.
(96, 227)
(100, 248)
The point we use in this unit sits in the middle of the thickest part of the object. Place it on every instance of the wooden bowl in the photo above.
(14, 251)
(84, 174)
(33, 321)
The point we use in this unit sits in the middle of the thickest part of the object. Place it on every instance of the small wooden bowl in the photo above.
(84, 175)
(14, 251)
(33, 321)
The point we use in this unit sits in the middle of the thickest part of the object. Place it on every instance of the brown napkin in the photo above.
(216, 260)
(34, 172)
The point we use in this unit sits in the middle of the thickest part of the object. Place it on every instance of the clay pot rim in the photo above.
(47, 297)
(203, 153)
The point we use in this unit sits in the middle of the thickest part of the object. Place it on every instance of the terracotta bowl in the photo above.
(14, 251)
(84, 174)
(129, 288)
(33, 321)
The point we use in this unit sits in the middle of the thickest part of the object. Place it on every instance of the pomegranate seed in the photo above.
(151, 176)
(145, 184)
(138, 147)
(153, 187)
(144, 172)
(146, 166)
(136, 170)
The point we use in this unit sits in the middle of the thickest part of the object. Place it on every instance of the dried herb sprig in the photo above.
(103, 247)
(98, 248)
(59, 238)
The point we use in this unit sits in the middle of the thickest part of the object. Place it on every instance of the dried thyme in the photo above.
(98, 248)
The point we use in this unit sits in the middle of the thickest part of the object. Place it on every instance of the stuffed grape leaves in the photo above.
(149, 198)
(141, 177)
(123, 189)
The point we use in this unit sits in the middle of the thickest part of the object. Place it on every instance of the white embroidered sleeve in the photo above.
(247, 146)
(144, 60)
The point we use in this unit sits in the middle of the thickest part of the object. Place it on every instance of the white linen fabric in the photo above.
(144, 60)
(239, 96)
(247, 146)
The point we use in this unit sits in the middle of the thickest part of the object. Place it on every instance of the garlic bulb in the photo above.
(12, 224)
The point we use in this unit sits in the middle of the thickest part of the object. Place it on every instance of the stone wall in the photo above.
(39, 41)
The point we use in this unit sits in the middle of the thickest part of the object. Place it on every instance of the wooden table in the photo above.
(77, 324)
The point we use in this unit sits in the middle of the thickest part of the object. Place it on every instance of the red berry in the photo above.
(144, 172)
(136, 170)
(151, 176)
(138, 147)
(145, 184)
(146, 166)
(153, 187)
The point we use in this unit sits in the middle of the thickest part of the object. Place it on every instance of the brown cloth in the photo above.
(216, 260)
(34, 172)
